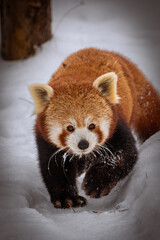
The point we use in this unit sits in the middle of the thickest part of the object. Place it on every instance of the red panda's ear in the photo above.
(41, 94)
(107, 86)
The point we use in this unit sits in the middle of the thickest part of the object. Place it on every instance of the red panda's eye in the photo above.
(70, 128)
(91, 126)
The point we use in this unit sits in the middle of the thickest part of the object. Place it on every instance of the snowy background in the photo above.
(131, 211)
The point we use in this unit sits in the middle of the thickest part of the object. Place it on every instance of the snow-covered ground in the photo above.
(131, 211)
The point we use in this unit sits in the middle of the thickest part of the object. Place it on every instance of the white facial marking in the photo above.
(104, 126)
(73, 122)
(79, 134)
(54, 132)
(87, 121)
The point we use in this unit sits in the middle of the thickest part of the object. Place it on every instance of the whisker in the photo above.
(99, 152)
(92, 153)
(50, 159)
(101, 148)
(105, 147)
(112, 158)
(65, 155)
(71, 158)
(107, 143)
(104, 150)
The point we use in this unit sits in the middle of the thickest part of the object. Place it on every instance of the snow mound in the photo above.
(130, 211)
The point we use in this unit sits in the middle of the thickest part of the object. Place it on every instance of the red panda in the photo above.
(85, 115)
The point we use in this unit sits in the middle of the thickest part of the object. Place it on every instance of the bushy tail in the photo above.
(147, 116)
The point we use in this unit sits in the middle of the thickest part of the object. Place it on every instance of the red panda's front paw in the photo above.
(97, 190)
(69, 202)
(97, 185)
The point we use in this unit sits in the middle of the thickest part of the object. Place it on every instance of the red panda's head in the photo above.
(79, 117)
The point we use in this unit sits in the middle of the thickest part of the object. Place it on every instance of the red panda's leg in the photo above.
(147, 115)
(112, 167)
(59, 179)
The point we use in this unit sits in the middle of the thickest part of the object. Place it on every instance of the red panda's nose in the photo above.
(83, 144)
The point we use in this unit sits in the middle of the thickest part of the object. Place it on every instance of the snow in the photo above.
(131, 211)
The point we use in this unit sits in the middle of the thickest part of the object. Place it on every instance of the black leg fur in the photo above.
(108, 170)
(60, 180)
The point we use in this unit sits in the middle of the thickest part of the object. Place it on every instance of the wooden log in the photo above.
(25, 24)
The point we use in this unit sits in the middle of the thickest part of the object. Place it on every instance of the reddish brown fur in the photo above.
(99, 134)
(139, 103)
(62, 137)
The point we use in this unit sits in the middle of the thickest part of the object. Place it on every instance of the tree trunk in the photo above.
(25, 25)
